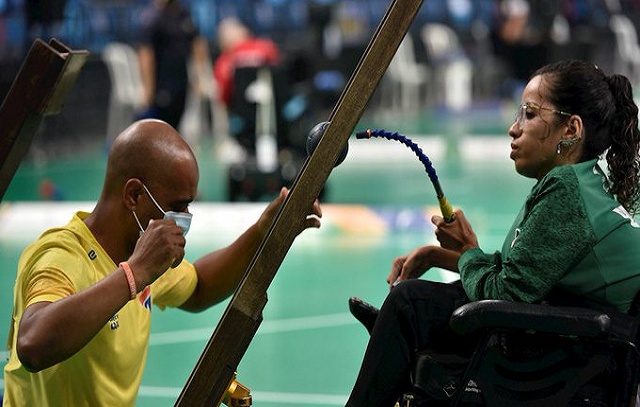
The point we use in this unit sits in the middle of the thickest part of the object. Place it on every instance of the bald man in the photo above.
(83, 292)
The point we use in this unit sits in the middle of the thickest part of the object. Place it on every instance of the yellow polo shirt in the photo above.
(108, 370)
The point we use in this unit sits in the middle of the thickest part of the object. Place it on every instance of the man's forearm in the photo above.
(51, 332)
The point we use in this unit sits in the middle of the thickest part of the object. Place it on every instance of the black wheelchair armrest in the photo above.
(568, 321)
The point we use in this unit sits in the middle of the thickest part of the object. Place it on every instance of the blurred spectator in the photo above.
(49, 191)
(43, 19)
(521, 38)
(170, 40)
(240, 49)
(631, 9)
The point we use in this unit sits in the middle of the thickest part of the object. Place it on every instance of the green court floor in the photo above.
(379, 202)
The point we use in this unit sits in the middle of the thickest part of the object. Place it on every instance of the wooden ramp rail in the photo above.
(215, 370)
(39, 89)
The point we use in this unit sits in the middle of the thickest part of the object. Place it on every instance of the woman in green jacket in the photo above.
(575, 233)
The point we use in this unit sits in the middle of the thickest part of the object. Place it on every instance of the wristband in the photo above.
(130, 279)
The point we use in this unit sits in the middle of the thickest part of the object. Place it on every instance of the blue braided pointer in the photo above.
(445, 206)
(428, 166)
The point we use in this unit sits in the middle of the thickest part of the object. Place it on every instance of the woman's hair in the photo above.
(610, 117)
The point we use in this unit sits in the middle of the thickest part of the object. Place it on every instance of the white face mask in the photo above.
(182, 219)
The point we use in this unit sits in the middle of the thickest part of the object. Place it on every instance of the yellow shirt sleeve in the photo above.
(175, 286)
(48, 285)
(52, 273)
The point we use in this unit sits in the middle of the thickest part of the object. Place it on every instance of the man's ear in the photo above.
(132, 191)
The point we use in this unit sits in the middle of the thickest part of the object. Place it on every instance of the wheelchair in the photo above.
(532, 355)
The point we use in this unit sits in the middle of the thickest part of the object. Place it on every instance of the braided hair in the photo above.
(610, 116)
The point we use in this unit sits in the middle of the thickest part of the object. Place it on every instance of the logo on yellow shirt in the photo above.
(113, 322)
(145, 297)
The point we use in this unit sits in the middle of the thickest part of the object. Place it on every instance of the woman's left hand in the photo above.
(415, 264)
(456, 235)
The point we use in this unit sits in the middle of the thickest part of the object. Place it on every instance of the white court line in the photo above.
(299, 398)
(485, 148)
(262, 396)
(4, 357)
(282, 325)
(267, 327)
(472, 147)
(378, 150)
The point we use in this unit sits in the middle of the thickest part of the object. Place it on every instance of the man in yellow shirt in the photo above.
(83, 294)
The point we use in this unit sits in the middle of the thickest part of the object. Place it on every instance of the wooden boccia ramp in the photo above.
(212, 381)
(47, 73)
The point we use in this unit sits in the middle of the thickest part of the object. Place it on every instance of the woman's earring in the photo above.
(566, 143)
